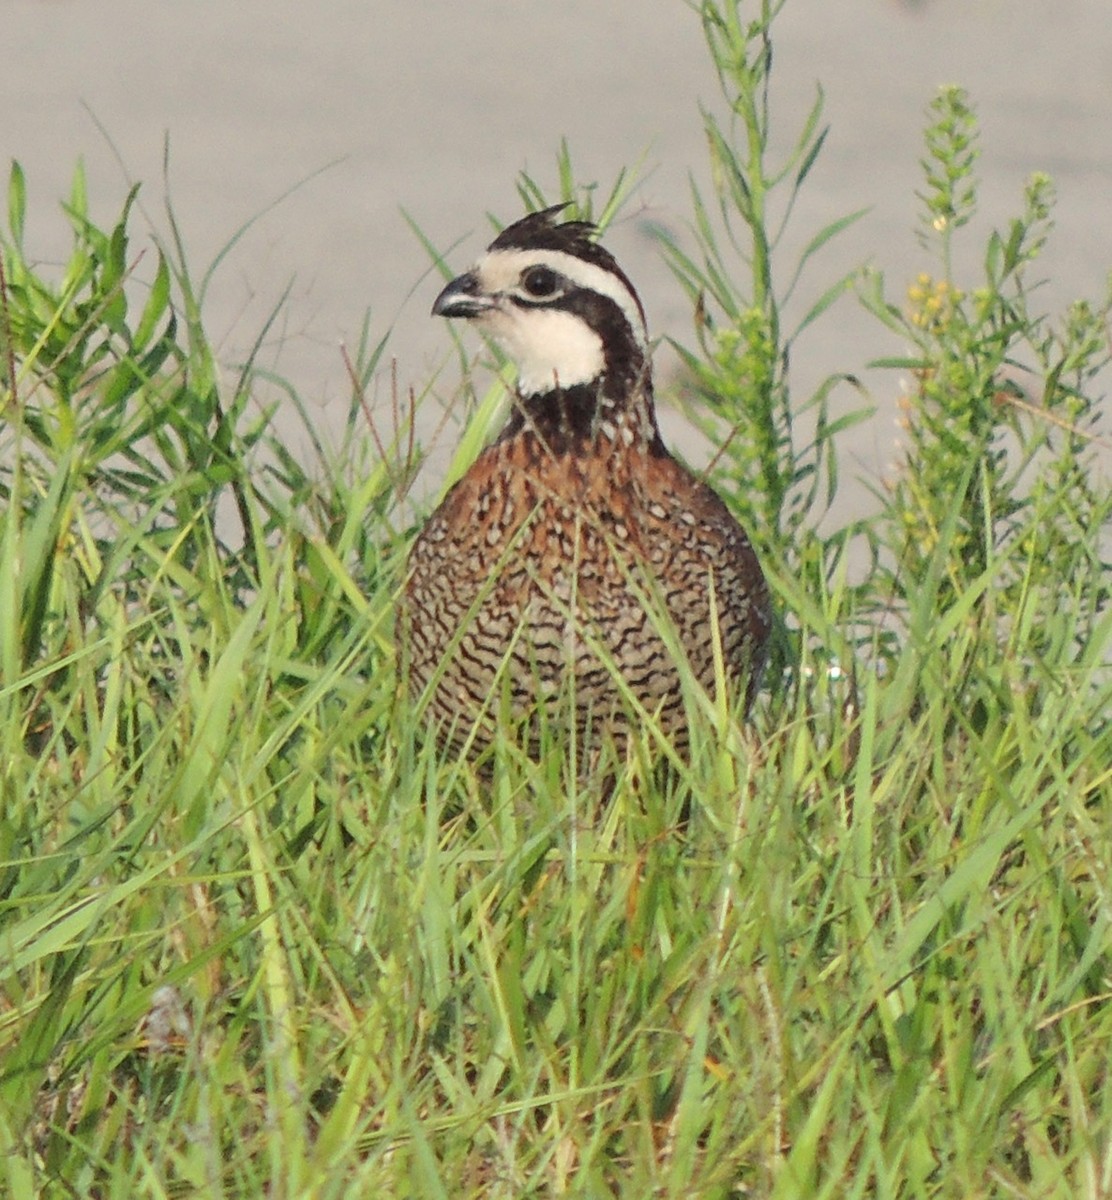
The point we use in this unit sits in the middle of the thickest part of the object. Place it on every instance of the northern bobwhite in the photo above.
(577, 559)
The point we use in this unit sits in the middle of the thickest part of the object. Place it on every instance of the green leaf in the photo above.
(158, 302)
(836, 289)
(79, 193)
(17, 204)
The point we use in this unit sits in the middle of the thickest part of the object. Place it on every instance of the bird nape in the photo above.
(577, 572)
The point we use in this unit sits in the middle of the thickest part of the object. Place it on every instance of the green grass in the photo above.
(259, 937)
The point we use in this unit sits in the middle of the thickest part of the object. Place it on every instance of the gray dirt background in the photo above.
(435, 105)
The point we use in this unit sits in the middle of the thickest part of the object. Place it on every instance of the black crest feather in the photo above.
(541, 231)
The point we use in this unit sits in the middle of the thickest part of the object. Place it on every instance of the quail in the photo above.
(577, 570)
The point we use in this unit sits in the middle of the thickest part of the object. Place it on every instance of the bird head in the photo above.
(556, 302)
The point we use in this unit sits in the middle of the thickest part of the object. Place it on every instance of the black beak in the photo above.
(461, 298)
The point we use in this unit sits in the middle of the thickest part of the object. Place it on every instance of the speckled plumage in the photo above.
(576, 549)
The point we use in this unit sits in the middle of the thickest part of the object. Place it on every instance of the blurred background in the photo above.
(326, 121)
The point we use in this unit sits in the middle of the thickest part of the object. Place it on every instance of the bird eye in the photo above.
(540, 281)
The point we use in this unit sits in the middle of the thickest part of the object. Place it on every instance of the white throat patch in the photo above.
(551, 348)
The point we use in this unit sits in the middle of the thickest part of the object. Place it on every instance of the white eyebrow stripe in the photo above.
(500, 271)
